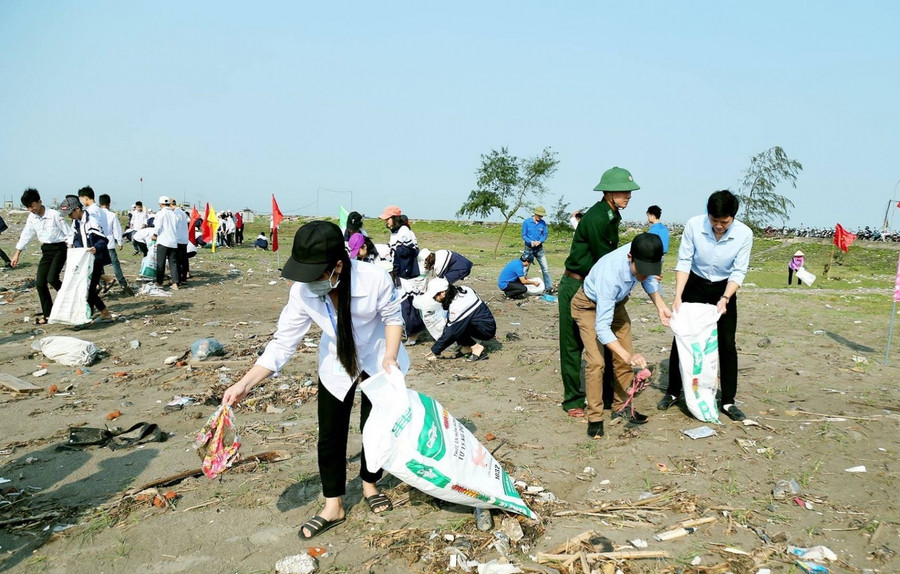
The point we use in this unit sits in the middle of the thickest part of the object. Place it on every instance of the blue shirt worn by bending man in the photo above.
(609, 282)
(700, 253)
(663, 232)
(511, 273)
(534, 231)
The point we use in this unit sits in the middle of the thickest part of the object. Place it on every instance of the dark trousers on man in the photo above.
(699, 290)
(163, 254)
(53, 258)
(140, 247)
(570, 349)
(515, 290)
(182, 258)
(334, 425)
(93, 295)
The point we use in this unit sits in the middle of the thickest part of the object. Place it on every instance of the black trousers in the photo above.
(791, 276)
(182, 258)
(53, 258)
(93, 296)
(164, 253)
(515, 290)
(699, 290)
(334, 424)
(5, 257)
(140, 247)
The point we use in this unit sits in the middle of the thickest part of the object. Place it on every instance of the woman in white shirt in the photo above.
(355, 305)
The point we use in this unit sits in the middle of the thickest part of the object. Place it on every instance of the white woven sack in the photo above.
(413, 437)
(697, 338)
(71, 306)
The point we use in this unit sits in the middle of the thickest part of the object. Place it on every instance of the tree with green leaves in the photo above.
(507, 183)
(760, 201)
(560, 216)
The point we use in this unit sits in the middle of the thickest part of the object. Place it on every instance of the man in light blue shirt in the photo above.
(598, 310)
(534, 234)
(713, 259)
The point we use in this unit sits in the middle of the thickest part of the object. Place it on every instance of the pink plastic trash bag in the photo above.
(211, 441)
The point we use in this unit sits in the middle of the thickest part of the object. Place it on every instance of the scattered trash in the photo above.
(589, 470)
(39, 373)
(113, 415)
(816, 553)
(855, 469)
(68, 351)
(317, 551)
(696, 561)
(135, 344)
(818, 332)
(210, 442)
(511, 527)
(549, 298)
(785, 487)
(764, 342)
(153, 290)
(700, 432)
(811, 568)
(638, 543)
(489, 436)
(273, 282)
(750, 423)
(171, 360)
(495, 567)
(203, 348)
(859, 359)
(672, 534)
(177, 403)
(297, 564)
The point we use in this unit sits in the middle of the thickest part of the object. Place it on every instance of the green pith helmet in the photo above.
(616, 179)
(540, 211)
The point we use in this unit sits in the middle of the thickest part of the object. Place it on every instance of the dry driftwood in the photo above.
(17, 385)
(619, 555)
(270, 456)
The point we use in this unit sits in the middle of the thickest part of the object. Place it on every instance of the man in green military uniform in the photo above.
(597, 234)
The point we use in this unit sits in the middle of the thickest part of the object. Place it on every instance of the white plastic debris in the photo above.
(638, 543)
(297, 564)
(855, 469)
(696, 561)
(700, 432)
(495, 567)
(39, 373)
(171, 360)
(816, 553)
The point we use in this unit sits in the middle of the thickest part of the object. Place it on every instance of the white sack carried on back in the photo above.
(414, 438)
(697, 337)
(71, 306)
(67, 350)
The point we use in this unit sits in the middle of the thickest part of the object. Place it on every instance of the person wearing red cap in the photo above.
(355, 305)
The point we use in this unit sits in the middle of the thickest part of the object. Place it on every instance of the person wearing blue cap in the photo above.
(357, 308)
(598, 310)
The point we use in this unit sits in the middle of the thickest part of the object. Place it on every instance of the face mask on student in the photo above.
(323, 287)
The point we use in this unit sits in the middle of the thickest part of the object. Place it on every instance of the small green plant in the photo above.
(807, 475)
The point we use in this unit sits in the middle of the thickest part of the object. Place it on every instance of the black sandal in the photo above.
(40, 320)
(317, 525)
(379, 501)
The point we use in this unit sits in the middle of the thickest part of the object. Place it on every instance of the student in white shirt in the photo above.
(114, 244)
(138, 222)
(182, 222)
(355, 305)
(48, 226)
(86, 198)
(165, 224)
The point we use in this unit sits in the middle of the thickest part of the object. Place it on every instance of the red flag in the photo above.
(843, 238)
(195, 215)
(206, 228)
(898, 204)
(277, 216)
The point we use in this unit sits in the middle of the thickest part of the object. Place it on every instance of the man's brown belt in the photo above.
(573, 275)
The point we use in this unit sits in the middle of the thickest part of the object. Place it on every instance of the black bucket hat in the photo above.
(318, 245)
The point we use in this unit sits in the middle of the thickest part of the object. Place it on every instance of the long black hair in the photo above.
(449, 296)
(346, 343)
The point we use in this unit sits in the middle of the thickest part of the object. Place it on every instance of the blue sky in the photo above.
(230, 102)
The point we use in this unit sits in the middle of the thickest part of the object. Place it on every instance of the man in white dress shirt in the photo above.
(114, 239)
(165, 224)
(48, 226)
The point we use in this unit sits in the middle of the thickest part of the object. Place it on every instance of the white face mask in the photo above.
(323, 287)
